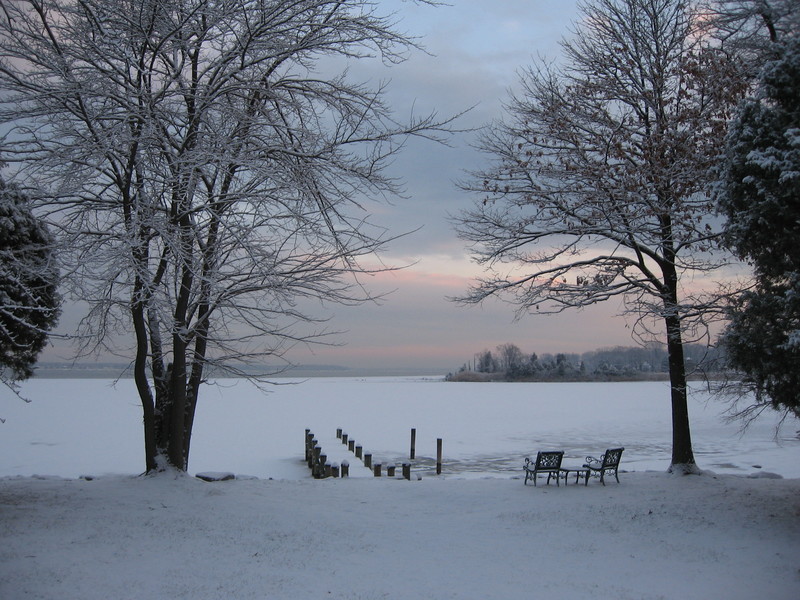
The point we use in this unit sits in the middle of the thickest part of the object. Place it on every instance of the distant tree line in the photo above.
(509, 363)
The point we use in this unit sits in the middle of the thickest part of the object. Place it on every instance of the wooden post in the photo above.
(315, 470)
(407, 471)
(345, 469)
(358, 451)
(334, 470)
(309, 446)
(351, 445)
(344, 438)
(368, 460)
(339, 433)
(438, 456)
(413, 443)
(390, 470)
(328, 469)
(376, 470)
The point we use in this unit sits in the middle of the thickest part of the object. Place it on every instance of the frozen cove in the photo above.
(93, 427)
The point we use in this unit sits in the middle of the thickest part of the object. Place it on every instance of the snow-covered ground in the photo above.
(474, 532)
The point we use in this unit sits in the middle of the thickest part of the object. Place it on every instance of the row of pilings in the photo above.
(318, 461)
(321, 467)
(366, 458)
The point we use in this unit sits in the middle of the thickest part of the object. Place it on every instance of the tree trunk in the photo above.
(143, 388)
(177, 407)
(682, 454)
(188, 424)
(180, 331)
(163, 410)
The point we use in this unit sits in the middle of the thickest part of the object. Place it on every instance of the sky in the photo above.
(474, 51)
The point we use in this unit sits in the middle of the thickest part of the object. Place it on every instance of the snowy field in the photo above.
(476, 532)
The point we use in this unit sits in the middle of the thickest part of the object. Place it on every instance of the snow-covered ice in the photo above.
(476, 532)
(77, 427)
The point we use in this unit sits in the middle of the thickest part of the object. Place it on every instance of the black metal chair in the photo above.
(546, 462)
(607, 463)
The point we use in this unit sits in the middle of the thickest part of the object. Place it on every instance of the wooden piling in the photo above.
(438, 456)
(344, 438)
(376, 470)
(368, 460)
(315, 464)
(339, 433)
(390, 470)
(345, 469)
(358, 451)
(351, 445)
(413, 444)
(407, 471)
(309, 446)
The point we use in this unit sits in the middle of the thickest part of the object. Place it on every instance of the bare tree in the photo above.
(485, 362)
(598, 187)
(203, 178)
(753, 25)
(510, 356)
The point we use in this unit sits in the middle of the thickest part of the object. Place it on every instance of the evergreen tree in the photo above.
(28, 280)
(759, 193)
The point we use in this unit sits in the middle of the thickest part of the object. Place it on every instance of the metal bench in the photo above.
(607, 463)
(546, 462)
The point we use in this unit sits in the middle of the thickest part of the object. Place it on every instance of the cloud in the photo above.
(416, 324)
(475, 50)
